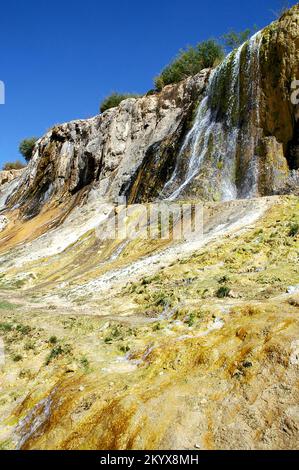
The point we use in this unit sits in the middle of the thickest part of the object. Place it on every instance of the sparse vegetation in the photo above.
(6, 327)
(23, 329)
(234, 39)
(294, 229)
(189, 62)
(191, 319)
(53, 340)
(223, 292)
(4, 305)
(17, 165)
(84, 363)
(26, 147)
(113, 100)
(124, 348)
(56, 352)
(29, 346)
(17, 358)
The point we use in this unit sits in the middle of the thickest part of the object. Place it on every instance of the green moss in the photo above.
(5, 305)
(6, 327)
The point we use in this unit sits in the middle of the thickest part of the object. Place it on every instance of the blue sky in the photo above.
(59, 59)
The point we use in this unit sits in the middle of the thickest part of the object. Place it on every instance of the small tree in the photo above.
(17, 165)
(234, 39)
(26, 147)
(113, 100)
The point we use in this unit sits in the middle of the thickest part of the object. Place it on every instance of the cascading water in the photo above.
(216, 143)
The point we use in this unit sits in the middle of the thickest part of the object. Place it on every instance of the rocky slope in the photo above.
(159, 343)
(8, 176)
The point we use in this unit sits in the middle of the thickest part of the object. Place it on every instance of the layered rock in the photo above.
(8, 183)
(245, 139)
(104, 152)
(232, 133)
(9, 175)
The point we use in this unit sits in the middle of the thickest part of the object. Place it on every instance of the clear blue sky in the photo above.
(60, 58)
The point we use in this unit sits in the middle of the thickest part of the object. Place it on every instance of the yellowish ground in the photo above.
(204, 352)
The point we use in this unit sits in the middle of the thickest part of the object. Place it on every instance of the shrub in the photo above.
(189, 62)
(29, 346)
(53, 340)
(84, 363)
(223, 279)
(234, 39)
(191, 319)
(17, 165)
(294, 230)
(23, 329)
(6, 327)
(57, 351)
(113, 100)
(26, 148)
(223, 292)
(17, 358)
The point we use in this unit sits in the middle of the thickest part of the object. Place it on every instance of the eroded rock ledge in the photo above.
(8, 176)
(104, 152)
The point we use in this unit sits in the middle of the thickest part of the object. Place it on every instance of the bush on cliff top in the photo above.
(17, 165)
(26, 148)
(114, 100)
(234, 39)
(190, 62)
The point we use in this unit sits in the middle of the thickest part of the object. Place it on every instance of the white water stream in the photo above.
(218, 138)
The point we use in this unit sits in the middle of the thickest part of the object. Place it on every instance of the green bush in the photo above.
(84, 363)
(53, 340)
(190, 62)
(26, 147)
(17, 358)
(223, 292)
(294, 230)
(23, 329)
(114, 100)
(234, 39)
(56, 352)
(17, 165)
(6, 327)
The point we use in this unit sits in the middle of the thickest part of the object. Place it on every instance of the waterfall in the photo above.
(216, 138)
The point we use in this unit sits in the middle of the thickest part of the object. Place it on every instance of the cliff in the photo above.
(104, 153)
(221, 135)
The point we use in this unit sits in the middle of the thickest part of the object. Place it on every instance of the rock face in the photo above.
(8, 176)
(104, 152)
(8, 183)
(223, 135)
